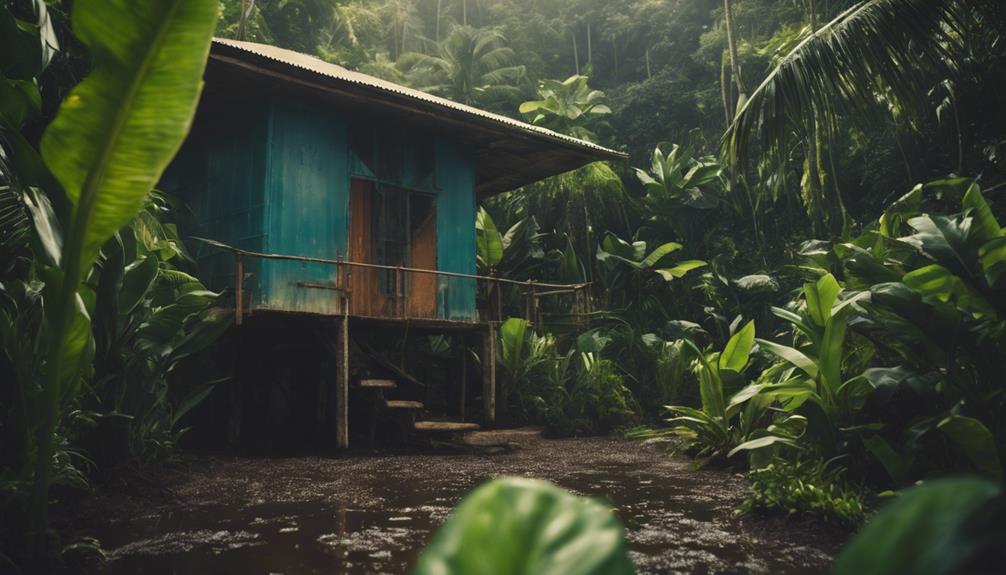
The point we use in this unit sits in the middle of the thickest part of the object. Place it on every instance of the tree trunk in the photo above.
(246, 9)
(614, 50)
(811, 184)
(576, 54)
(735, 65)
(648, 74)
(464, 12)
(836, 216)
(590, 52)
(726, 92)
(439, 3)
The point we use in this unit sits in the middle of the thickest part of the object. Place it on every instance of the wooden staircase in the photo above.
(409, 415)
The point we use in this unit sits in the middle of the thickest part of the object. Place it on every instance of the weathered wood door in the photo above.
(393, 227)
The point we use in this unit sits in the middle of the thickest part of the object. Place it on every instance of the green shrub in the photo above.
(805, 488)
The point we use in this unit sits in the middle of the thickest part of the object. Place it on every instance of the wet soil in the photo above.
(373, 513)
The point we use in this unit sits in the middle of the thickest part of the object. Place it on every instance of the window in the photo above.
(392, 156)
(391, 233)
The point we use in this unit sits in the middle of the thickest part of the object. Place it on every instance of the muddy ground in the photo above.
(373, 513)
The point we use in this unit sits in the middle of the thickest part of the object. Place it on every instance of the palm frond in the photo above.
(877, 49)
(14, 222)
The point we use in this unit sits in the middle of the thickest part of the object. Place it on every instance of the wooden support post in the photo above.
(489, 375)
(463, 376)
(342, 384)
(528, 303)
(239, 280)
(400, 285)
(534, 304)
(340, 285)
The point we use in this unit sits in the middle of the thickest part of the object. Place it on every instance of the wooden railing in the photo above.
(395, 302)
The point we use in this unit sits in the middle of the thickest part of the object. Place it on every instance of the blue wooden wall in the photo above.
(307, 201)
(220, 174)
(273, 176)
(455, 182)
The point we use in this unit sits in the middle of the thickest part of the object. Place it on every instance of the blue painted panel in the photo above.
(455, 180)
(307, 199)
(220, 174)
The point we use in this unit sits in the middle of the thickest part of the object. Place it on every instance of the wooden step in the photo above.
(444, 426)
(378, 383)
(403, 404)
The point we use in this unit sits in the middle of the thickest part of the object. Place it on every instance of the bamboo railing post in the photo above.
(342, 383)
(462, 362)
(534, 304)
(527, 303)
(340, 284)
(239, 280)
(489, 374)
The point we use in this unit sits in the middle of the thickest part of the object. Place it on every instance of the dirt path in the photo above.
(373, 513)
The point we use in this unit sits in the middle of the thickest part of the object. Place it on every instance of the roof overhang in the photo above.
(509, 153)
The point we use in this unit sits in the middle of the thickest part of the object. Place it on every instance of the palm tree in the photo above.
(400, 19)
(471, 66)
(351, 19)
(877, 50)
(878, 57)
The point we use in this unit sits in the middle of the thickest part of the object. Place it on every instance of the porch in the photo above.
(365, 297)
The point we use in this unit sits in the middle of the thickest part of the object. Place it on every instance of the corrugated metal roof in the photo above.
(334, 71)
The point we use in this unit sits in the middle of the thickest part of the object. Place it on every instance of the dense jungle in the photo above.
(787, 356)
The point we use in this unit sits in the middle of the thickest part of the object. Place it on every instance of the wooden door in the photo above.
(423, 255)
(393, 227)
(362, 281)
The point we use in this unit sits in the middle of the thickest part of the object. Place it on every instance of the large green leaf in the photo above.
(513, 342)
(975, 440)
(937, 282)
(137, 279)
(985, 227)
(992, 256)
(735, 354)
(710, 384)
(923, 532)
(799, 322)
(488, 241)
(905, 207)
(794, 356)
(944, 240)
(21, 49)
(762, 442)
(516, 526)
(821, 295)
(830, 354)
(118, 129)
(680, 269)
(111, 140)
(658, 254)
(616, 247)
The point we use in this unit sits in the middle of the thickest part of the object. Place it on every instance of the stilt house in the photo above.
(334, 195)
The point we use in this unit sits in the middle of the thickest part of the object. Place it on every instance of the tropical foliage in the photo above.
(86, 310)
(471, 66)
(535, 528)
(761, 286)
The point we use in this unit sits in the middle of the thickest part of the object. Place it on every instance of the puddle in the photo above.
(374, 514)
